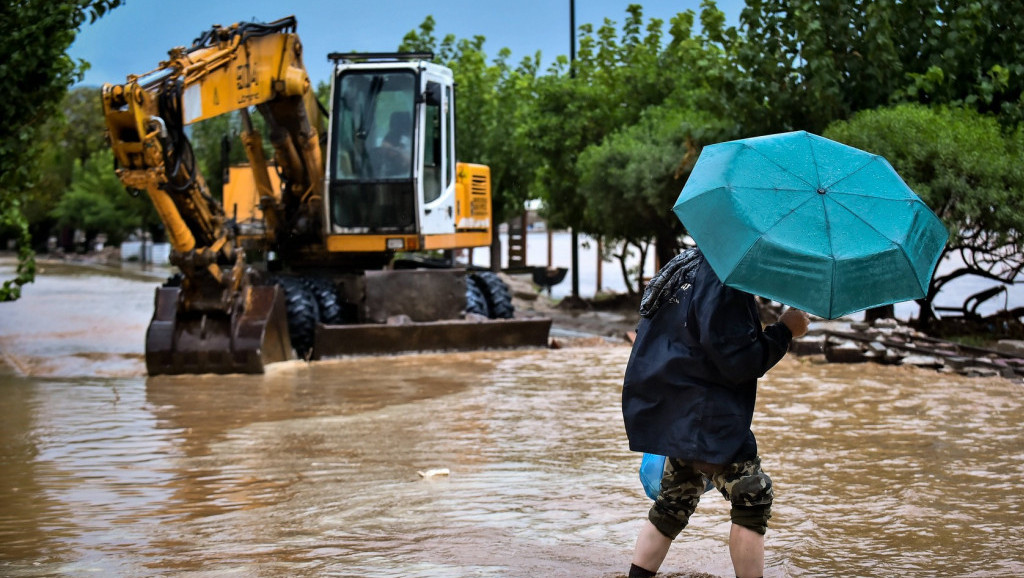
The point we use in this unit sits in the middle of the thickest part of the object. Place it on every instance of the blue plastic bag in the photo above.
(652, 467)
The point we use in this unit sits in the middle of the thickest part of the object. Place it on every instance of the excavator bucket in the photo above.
(186, 342)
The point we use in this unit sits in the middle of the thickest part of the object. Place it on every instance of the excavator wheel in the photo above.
(327, 300)
(476, 302)
(303, 313)
(499, 302)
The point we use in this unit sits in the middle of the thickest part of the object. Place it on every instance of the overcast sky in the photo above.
(136, 36)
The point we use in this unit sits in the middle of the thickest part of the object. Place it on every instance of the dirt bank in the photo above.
(604, 321)
(609, 321)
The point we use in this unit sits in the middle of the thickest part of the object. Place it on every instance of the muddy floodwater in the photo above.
(315, 469)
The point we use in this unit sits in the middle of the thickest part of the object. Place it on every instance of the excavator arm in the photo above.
(226, 69)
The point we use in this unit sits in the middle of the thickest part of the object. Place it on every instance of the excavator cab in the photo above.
(392, 180)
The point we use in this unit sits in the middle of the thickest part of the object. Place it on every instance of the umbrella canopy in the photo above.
(809, 222)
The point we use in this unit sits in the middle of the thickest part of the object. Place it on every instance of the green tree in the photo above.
(616, 76)
(963, 54)
(34, 38)
(97, 202)
(73, 134)
(802, 64)
(614, 79)
(631, 179)
(966, 169)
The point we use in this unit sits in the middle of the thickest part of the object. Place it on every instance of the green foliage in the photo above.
(802, 64)
(965, 168)
(72, 134)
(12, 219)
(963, 54)
(632, 179)
(34, 38)
(97, 201)
(614, 79)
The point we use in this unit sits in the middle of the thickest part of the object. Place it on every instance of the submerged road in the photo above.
(314, 469)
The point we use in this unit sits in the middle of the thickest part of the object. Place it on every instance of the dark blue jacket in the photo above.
(691, 380)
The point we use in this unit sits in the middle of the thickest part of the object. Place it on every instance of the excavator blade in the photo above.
(180, 342)
(445, 335)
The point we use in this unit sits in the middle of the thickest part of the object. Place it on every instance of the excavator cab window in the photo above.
(372, 186)
(432, 145)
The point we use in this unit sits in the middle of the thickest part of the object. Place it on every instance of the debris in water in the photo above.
(434, 472)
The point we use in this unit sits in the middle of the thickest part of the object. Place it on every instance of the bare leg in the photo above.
(747, 550)
(651, 548)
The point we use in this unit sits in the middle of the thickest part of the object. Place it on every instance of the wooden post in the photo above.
(550, 238)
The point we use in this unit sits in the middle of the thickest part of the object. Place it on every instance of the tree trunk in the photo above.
(883, 312)
(495, 249)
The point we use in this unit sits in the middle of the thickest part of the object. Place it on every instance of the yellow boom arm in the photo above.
(226, 69)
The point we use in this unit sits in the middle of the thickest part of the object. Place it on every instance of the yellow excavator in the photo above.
(343, 243)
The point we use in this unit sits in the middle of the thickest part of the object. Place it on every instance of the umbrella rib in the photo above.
(791, 211)
(861, 219)
(871, 160)
(784, 169)
(772, 189)
(828, 235)
(903, 254)
(832, 253)
(814, 160)
(776, 224)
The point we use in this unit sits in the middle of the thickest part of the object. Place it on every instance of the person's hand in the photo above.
(795, 320)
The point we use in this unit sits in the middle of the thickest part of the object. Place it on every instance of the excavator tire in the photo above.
(303, 314)
(476, 302)
(327, 300)
(499, 302)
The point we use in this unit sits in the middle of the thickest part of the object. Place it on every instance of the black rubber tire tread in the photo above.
(327, 300)
(302, 314)
(476, 302)
(499, 301)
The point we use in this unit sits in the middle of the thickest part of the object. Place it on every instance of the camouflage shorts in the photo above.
(744, 484)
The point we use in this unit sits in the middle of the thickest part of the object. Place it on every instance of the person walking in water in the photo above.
(688, 394)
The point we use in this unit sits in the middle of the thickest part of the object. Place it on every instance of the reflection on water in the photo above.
(311, 469)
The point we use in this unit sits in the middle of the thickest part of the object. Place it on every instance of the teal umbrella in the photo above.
(811, 223)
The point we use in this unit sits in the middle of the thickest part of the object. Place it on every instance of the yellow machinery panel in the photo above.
(221, 78)
(241, 197)
(473, 199)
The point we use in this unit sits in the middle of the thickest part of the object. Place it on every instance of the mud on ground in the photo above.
(606, 320)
